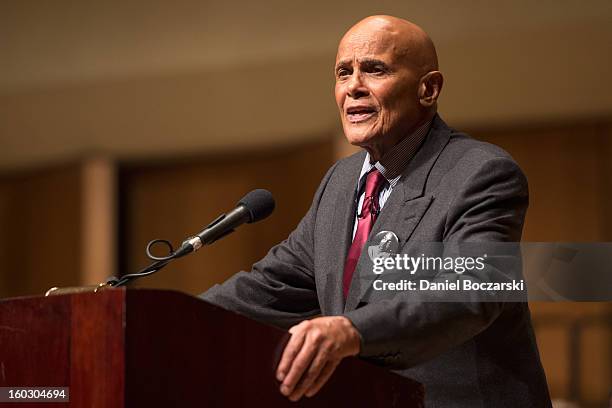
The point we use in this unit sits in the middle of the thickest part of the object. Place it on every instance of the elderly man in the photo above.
(426, 183)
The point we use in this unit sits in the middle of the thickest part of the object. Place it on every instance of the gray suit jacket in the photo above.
(455, 189)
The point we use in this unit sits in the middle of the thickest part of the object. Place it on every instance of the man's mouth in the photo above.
(357, 114)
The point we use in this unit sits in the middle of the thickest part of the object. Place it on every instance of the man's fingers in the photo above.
(310, 375)
(291, 350)
(298, 367)
(324, 375)
(312, 354)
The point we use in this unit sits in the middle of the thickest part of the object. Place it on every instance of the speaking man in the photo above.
(425, 182)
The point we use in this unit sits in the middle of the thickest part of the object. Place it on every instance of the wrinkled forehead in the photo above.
(366, 43)
(381, 43)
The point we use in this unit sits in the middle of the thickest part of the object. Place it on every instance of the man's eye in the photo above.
(342, 73)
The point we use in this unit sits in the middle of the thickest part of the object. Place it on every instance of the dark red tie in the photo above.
(366, 219)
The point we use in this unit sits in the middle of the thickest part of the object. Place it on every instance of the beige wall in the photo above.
(41, 230)
(59, 223)
(120, 87)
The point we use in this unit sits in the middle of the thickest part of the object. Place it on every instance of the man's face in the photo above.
(376, 88)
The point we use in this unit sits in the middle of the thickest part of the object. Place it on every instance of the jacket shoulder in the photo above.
(465, 154)
(466, 159)
(463, 145)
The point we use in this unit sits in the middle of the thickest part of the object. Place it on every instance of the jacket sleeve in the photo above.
(280, 288)
(403, 331)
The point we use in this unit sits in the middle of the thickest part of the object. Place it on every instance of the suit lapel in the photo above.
(340, 236)
(404, 208)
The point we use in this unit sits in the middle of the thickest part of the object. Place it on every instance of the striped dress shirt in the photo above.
(390, 166)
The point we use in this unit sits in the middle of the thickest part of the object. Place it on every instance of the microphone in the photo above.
(253, 207)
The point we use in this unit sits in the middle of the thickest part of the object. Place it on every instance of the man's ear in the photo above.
(430, 86)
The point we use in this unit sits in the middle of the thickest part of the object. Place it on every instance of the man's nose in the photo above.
(356, 88)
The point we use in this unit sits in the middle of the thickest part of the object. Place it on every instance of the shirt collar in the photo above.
(395, 160)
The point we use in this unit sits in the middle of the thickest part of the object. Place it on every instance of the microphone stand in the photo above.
(114, 282)
(189, 245)
(149, 270)
(159, 263)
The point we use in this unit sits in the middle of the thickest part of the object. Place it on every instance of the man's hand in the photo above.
(315, 349)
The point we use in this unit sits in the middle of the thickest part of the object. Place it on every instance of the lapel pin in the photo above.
(383, 245)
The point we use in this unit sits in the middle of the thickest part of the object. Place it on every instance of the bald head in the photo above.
(407, 40)
(387, 82)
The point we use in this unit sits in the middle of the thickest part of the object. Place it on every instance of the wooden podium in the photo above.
(152, 348)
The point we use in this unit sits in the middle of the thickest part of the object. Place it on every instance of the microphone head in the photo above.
(259, 203)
